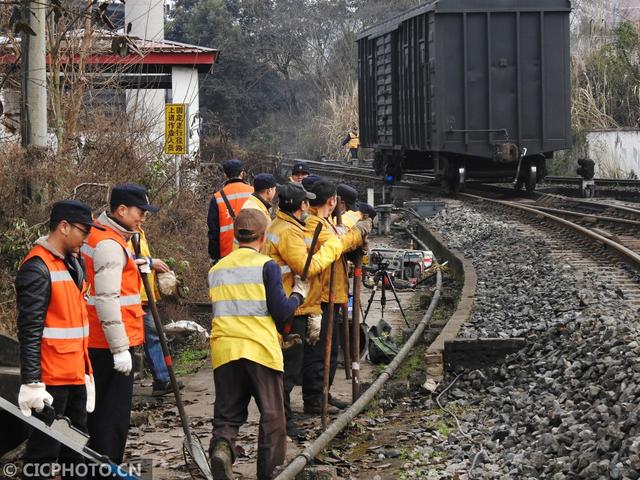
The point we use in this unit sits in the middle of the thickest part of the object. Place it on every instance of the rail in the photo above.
(628, 256)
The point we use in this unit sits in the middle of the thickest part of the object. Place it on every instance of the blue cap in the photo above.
(262, 181)
(300, 167)
(367, 209)
(310, 180)
(73, 211)
(232, 168)
(131, 195)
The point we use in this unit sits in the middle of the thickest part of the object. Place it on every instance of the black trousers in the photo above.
(71, 402)
(293, 359)
(109, 423)
(313, 363)
(235, 383)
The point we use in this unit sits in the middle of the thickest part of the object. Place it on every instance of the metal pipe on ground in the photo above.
(300, 462)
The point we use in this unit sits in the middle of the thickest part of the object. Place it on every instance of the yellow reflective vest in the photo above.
(288, 242)
(319, 285)
(354, 140)
(257, 204)
(242, 326)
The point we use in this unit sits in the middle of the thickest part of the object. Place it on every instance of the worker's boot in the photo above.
(221, 461)
(315, 408)
(294, 432)
(336, 402)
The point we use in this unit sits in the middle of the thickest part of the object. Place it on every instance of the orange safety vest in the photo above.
(64, 358)
(237, 193)
(130, 302)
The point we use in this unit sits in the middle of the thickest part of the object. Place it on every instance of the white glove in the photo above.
(33, 395)
(90, 385)
(122, 362)
(300, 286)
(314, 323)
(144, 264)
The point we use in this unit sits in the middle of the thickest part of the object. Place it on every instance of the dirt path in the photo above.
(156, 432)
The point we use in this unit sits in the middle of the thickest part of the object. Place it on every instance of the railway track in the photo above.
(585, 234)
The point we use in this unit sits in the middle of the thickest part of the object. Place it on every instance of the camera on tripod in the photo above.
(379, 261)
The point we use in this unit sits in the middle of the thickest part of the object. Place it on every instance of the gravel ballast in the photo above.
(566, 406)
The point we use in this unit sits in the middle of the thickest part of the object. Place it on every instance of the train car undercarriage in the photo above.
(454, 171)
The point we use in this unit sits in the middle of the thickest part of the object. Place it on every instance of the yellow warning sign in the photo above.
(175, 129)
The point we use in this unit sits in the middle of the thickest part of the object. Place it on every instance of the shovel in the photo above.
(191, 443)
(59, 428)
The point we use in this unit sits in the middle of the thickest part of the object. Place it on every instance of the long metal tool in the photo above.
(327, 347)
(312, 247)
(355, 327)
(329, 335)
(346, 342)
(61, 430)
(191, 443)
(311, 451)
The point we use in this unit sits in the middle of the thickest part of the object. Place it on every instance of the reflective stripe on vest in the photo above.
(237, 193)
(130, 282)
(234, 196)
(241, 326)
(64, 358)
(66, 333)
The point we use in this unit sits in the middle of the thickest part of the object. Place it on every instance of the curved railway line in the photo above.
(582, 233)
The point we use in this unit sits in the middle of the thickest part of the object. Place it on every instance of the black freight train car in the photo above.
(471, 89)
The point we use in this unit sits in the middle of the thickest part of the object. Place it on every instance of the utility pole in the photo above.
(34, 76)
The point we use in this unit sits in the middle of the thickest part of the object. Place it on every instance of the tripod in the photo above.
(381, 275)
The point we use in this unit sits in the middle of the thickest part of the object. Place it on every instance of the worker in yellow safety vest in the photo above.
(249, 307)
(288, 243)
(264, 191)
(352, 142)
(318, 299)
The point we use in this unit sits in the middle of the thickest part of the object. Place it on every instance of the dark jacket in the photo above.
(33, 291)
(213, 222)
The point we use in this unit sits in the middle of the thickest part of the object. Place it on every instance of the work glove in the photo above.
(290, 341)
(300, 286)
(122, 362)
(144, 264)
(314, 323)
(364, 226)
(33, 395)
(90, 385)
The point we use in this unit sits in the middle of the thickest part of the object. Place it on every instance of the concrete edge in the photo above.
(462, 270)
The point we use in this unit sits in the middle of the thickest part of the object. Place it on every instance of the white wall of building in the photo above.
(146, 107)
(616, 152)
(146, 18)
(185, 89)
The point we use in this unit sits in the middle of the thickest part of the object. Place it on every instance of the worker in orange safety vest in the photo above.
(115, 313)
(223, 208)
(53, 332)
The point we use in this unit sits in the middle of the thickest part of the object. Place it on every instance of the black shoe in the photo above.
(316, 408)
(336, 402)
(163, 388)
(294, 433)
(221, 462)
